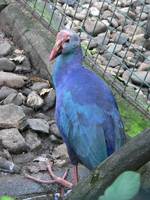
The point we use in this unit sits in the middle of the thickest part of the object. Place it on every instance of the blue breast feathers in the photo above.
(88, 118)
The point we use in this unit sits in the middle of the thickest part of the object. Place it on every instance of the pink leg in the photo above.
(75, 175)
(60, 180)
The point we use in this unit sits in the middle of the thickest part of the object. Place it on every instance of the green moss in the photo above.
(134, 121)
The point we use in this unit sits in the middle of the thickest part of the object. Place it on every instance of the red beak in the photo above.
(61, 38)
(56, 50)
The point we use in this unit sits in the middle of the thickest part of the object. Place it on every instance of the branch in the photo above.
(131, 156)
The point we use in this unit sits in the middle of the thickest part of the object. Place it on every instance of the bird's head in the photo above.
(66, 42)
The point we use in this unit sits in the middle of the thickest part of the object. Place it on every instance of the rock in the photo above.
(5, 91)
(38, 125)
(130, 29)
(138, 39)
(37, 86)
(5, 48)
(41, 116)
(119, 38)
(28, 111)
(93, 27)
(20, 69)
(107, 14)
(12, 80)
(101, 6)
(144, 66)
(114, 48)
(26, 91)
(3, 4)
(94, 11)
(8, 166)
(141, 77)
(102, 38)
(55, 140)
(34, 100)
(15, 98)
(12, 116)
(6, 65)
(54, 129)
(32, 140)
(13, 140)
(60, 152)
(113, 60)
(49, 100)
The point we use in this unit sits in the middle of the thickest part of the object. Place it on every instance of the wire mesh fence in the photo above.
(115, 36)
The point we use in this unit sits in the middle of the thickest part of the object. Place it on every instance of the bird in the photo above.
(86, 111)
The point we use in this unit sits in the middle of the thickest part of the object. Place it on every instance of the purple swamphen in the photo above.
(86, 111)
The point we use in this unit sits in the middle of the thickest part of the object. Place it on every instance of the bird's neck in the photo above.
(64, 64)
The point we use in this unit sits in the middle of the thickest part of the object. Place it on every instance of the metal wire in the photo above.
(54, 15)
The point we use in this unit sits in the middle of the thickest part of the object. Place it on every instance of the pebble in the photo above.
(49, 100)
(13, 140)
(114, 48)
(94, 28)
(5, 48)
(12, 80)
(32, 140)
(141, 78)
(8, 166)
(38, 125)
(5, 91)
(6, 65)
(37, 86)
(15, 98)
(12, 116)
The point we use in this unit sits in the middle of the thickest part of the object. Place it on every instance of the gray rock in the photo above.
(6, 65)
(3, 4)
(41, 116)
(93, 27)
(12, 80)
(5, 91)
(32, 140)
(119, 38)
(34, 100)
(130, 29)
(37, 86)
(8, 166)
(38, 125)
(12, 116)
(49, 100)
(107, 14)
(94, 11)
(100, 5)
(54, 129)
(13, 140)
(15, 98)
(60, 152)
(144, 66)
(102, 39)
(22, 69)
(141, 77)
(113, 61)
(5, 48)
(28, 111)
(114, 48)
(55, 140)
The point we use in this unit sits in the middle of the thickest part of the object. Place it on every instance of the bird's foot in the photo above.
(60, 180)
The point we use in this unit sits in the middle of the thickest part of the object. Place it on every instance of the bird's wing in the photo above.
(90, 132)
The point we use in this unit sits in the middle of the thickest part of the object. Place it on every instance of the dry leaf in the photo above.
(18, 51)
(19, 59)
(44, 91)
